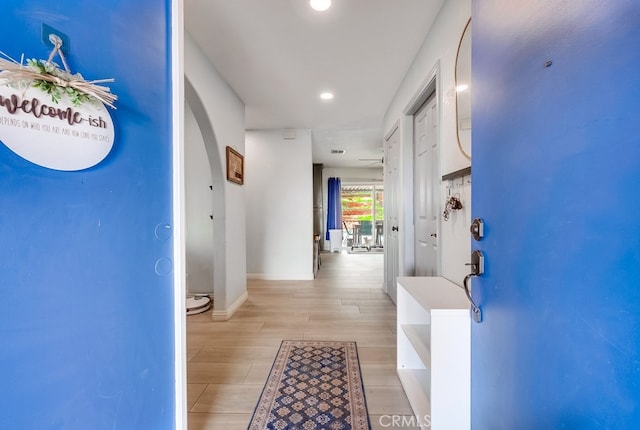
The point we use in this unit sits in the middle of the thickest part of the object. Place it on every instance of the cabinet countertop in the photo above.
(435, 292)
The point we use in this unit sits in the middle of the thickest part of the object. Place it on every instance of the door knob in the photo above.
(477, 263)
(477, 269)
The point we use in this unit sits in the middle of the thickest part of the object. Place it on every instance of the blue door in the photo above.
(556, 178)
(87, 333)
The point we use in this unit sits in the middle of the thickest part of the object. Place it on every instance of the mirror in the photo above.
(463, 91)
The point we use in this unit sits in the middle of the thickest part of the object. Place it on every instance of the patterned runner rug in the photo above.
(313, 385)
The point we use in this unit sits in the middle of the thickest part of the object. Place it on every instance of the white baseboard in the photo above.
(228, 313)
(281, 276)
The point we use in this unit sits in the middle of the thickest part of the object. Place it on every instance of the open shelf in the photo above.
(434, 351)
(416, 385)
(419, 336)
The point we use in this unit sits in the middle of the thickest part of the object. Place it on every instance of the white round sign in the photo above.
(59, 135)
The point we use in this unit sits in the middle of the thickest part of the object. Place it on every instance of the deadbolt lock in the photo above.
(477, 229)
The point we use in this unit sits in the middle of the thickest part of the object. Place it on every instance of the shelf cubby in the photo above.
(434, 351)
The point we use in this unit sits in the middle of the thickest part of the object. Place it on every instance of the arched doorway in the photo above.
(205, 254)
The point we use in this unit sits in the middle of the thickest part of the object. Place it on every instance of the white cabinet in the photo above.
(434, 351)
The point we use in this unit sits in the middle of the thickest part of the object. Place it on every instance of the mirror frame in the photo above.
(455, 77)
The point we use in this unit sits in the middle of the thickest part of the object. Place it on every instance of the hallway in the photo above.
(228, 362)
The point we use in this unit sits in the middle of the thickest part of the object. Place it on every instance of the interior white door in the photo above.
(426, 188)
(391, 179)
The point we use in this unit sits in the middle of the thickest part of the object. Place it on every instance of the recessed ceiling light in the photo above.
(326, 96)
(320, 5)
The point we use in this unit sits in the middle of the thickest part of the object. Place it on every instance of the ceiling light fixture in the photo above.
(461, 88)
(326, 96)
(320, 5)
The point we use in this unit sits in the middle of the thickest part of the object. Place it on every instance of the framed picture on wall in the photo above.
(235, 166)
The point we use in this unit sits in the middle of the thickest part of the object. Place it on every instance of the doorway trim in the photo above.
(179, 236)
(393, 198)
(430, 85)
(218, 195)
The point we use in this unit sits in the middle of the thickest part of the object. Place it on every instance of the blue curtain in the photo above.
(334, 207)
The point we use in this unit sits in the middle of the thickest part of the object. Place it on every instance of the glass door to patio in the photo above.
(362, 217)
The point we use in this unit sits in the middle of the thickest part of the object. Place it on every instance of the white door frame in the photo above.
(179, 236)
(392, 204)
(406, 239)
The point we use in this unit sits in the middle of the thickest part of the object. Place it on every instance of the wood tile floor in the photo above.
(228, 362)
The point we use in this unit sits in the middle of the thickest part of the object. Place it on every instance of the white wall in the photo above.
(220, 115)
(198, 208)
(438, 51)
(355, 175)
(279, 191)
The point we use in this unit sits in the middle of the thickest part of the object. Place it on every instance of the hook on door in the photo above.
(477, 269)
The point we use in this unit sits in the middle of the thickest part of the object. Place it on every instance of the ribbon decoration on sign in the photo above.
(47, 76)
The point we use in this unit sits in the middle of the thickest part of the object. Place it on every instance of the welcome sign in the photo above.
(52, 117)
(57, 135)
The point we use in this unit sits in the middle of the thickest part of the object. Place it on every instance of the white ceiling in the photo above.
(279, 55)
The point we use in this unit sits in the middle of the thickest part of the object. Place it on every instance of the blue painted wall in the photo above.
(556, 176)
(86, 321)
